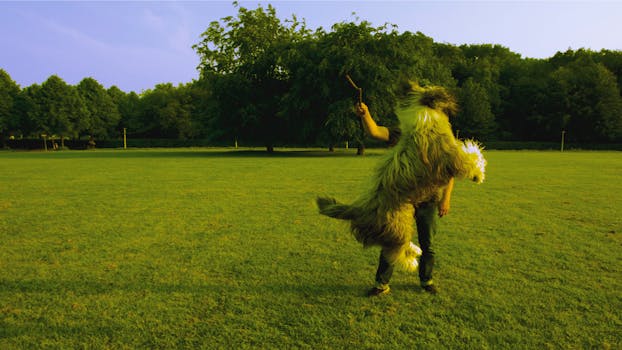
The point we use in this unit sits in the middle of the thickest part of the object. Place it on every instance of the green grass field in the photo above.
(208, 248)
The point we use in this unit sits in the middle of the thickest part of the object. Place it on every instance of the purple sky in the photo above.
(136, 45)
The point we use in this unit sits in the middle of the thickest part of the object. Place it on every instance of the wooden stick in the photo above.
(356, 87)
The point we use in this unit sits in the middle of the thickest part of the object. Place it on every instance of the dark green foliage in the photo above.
(128, 105)
(166, 112)
(591, 106)
(9, 91)
(244, 59)
(475, 119)
(269, 82)
(61, 110)
(103, 114)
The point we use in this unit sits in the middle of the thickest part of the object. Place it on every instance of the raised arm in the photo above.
(371, 128)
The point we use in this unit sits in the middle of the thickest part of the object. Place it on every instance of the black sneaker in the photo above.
(374, 292)
(430, 289)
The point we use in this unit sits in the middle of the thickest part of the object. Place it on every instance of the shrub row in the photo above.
(32, 144)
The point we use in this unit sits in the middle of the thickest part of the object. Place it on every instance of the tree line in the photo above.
(269, 82)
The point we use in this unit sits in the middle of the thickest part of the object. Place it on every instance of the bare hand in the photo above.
(361, 109)
(443, 208)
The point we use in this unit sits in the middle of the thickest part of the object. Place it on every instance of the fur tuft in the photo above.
(439, 99)
(473, 152)
(405, 256)
(433, 97)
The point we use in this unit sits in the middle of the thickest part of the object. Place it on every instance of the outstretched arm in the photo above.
(371, 128)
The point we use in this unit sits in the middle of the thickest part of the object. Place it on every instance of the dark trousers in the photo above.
(425, 218)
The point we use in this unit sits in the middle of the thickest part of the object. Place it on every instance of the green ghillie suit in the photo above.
(416, 170)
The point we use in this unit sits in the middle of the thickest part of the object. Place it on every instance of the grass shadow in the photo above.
(91, 287)
(318, 290)
(188, 153)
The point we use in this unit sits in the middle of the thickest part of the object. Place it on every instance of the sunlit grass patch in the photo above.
(202, 248)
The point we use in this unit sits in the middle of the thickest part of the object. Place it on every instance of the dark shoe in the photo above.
(430, 289)
(374, 292)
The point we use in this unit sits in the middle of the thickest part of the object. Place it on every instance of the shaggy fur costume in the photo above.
(416, 170)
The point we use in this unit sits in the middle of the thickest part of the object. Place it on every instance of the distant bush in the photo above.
(527, 145)
(32, 144)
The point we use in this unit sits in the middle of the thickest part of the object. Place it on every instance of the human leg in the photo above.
(383, 276)
(425, 217)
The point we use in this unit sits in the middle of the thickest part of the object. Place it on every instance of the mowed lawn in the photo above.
(216, 248)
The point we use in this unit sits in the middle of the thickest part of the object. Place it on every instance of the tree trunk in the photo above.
(91, 144)
(360, 151)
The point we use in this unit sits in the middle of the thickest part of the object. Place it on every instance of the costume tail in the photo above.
(330, 207)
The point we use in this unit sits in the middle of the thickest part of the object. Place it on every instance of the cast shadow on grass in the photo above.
(318, 290)
(138, 288)
(91, 287)
(234, 154)
(37, 331)
(85, 321)
(245, 154)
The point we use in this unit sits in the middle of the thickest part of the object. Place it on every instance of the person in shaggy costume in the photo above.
(412, 184)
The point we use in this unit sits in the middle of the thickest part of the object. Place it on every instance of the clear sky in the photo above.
(136, 45)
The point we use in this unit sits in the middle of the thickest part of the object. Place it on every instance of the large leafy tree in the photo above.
(128, 106)
(241, 57)
(527, 103)
(613, 61)
(475, 118)
(591, 106)
(382, 60)
(352, 48)
(9, 92)
(165, 112)
(379, 59)
(103, 115)
(28, 111)
(60, 110)
(196, 96)
(490, 67)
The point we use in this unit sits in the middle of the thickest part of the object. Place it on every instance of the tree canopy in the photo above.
(271, 82)
(9, 92)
